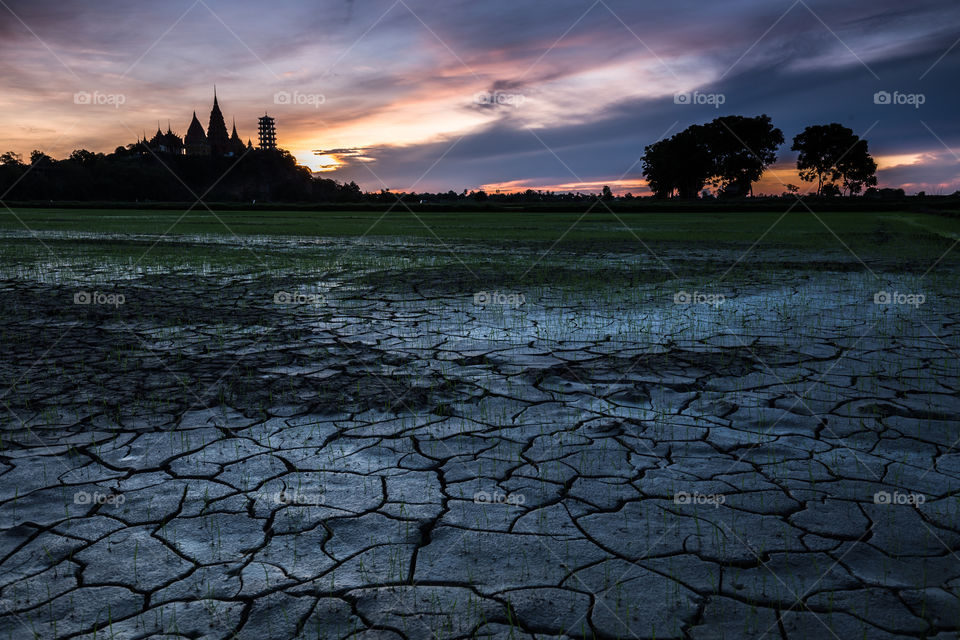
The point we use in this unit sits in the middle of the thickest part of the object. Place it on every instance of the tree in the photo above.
(741, 148)
(830, 153)
(858, 169)
(127, 175)
(732, 152)
(83, 157)
(658, 168)
(681, 164)
(830, 190)
(11, 158)
(37, 156)
(607, 193)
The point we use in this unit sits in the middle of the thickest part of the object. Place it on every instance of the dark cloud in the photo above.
(609, 145)
(768, 80)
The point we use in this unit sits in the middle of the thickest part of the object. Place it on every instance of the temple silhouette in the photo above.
(212, 142)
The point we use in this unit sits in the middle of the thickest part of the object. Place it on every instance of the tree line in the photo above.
(732, 152)
(136, 174)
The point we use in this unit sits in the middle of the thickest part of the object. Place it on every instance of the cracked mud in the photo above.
(404, 456)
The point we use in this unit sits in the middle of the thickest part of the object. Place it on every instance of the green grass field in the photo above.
(886, 232)
(502, 249)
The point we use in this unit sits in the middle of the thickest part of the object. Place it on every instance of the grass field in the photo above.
(798, 227)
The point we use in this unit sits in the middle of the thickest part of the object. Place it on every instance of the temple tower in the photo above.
(236, 144)
(217, 136)
(268, 132)
(195, 141)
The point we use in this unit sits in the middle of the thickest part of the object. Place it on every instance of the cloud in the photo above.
(575, 95)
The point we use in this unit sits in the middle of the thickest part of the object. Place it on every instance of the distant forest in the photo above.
(137, 174)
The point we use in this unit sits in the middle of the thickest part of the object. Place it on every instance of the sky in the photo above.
(430, 95)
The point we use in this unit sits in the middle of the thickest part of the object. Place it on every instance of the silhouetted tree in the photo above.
(607, 194)
(37, 156)
(892, 194)
(11, 170)
(659, 168)
(831, 153)
(137, 173)
(84, 158)
(741, 149)
(680, 164)
(11, 158)
(732, 152)
(858, 169)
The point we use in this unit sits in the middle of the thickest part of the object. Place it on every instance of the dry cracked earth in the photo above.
(390, 456)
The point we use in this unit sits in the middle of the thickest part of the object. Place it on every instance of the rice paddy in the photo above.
(294, 425)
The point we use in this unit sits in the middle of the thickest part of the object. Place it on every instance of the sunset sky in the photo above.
(437, 95)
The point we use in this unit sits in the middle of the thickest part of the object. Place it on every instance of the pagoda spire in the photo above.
(236, 144)
(217, 129)
(196, 140)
